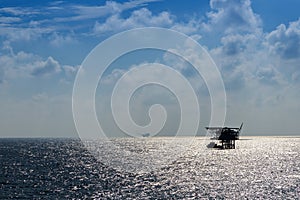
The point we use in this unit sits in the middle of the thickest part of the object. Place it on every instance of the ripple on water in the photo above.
(260, 167)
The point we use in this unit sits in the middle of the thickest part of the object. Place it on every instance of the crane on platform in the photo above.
(227, 136)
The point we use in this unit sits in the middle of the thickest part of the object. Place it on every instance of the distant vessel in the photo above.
(227, 136)
(146, 134)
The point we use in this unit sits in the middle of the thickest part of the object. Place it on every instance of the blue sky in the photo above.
(255, 44)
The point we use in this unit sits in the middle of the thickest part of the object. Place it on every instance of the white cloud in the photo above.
(269, 75)
(59, 40)
(138, 18)
(242, 55)
(145, 18)
(110, 8)
(18, 11)
(252, 60)
(70, 70)
(47, 67)
(285, 41)
(192, 27)
(232, 16)
(23, 34)
(16, 65)
(176, 62)
(260, 70)
(245, 65)
(252, 75)
(28, 65)
(235, 44)
(8, 20)
(111, 78)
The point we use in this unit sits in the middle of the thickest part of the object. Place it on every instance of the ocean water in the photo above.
(259, 167)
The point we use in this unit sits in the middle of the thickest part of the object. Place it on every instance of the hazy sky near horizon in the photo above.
(255, 44)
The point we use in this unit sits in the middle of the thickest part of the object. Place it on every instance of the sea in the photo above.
(47, 168)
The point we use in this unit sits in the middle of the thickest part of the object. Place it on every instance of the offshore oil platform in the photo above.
(226, 135)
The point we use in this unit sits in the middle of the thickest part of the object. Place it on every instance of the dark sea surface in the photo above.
(260, 167)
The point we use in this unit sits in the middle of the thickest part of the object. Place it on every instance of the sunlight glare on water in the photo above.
(259, 167)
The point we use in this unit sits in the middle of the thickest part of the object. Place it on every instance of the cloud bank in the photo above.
(260, 69)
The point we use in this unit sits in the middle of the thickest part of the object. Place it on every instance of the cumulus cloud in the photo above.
(191, 28)
(232, 16)
(232, 44)
(111, 78)
(254, 60)
(27, 65)
(245, 64)
(144, 18)
(285, 41)
(138, 18)
(234, 80)
(46, 67)
(269, 75)
(70, 70)
(59, 40)
(15, 34)
(15, 65)
(176, 62)
(255, 65)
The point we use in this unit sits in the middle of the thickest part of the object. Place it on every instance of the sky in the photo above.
(255, 45)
